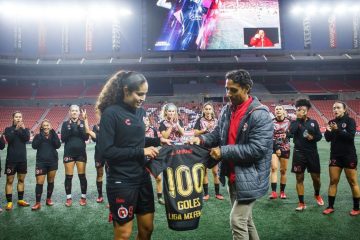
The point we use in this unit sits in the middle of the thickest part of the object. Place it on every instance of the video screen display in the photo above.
(180, 25)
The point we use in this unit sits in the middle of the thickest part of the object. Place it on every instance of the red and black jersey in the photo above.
(16, 139)
(183, 168)
(281, 129)
(203, 123)
(175, 134)
(151, 133)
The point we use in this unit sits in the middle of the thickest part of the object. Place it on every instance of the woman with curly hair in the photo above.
(125, 149)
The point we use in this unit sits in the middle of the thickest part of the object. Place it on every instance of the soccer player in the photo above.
(74, 135)
(306, 134)
(171, 127)
(2, 146)
(152, 133)
(99, 163)
(206, 124)
(125, 149)
(341, 133)
(46, 143)
(16, 161)
(281, 151)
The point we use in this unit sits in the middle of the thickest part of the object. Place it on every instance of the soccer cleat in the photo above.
(9, 206)
(283, 195)
(206, 197)
(328, 210)
(49, 202)
(100, 200)
(68, 202)
(37, 206)
(355, 212)
(319, 200)
(82, 201)
(161, 201)
(23, 203)
(273, 195)
(219, 197)
(301, 207)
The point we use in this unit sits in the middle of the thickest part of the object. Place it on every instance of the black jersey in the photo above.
(46, 147)
(183, 168)
(299, 130)
(121, 142)
(342, 139)
(73, 134)
(96, 130)
(16, 151)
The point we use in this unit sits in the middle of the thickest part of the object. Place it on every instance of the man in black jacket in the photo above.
(306, 134)
(2, 146)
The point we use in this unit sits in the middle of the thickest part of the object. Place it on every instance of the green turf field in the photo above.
(274, 219)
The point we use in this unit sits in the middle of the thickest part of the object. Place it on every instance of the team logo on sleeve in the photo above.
(343, 125)
(245, 127)
(127, 122)
(81, 125)
(123, 212)
(312, 124)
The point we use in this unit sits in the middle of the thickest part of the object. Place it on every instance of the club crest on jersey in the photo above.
(343, 125)
(123, 212)
(245, 127)
(312, 124)
(8, 171)
(81, 125)
(127, 122)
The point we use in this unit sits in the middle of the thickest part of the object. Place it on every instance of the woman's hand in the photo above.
(151, 152)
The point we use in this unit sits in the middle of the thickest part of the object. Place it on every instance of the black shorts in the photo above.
(284, 154)
(305, 160)
(68, 159)
(349, 162)
(99, 163)
(17, 167)
(44, 168)
(125, 200)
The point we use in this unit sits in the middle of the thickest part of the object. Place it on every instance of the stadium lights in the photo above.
(58, 11)
(324, 8)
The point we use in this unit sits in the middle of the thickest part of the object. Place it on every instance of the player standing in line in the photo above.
(74, 135)
(125, 149)
(341, 133)
(16, 161)
(281, 152)
(171, 127)
(152, 133)
(306, 134)
(206, 124)
(2, 146)
(46, 143)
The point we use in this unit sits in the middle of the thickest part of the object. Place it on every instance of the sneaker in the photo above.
(49, 202)
(9, 206)
(354, 212)
(68, 202)
(206, 197)
(273, 195)
(319, 200)
(100, 200)
(301, 207)
(37, 206)
(82, 201)
(161, 201)
(219, 196)
(23, 203)
(328, 210)
(283, 195)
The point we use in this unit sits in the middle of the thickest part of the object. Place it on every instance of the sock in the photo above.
(9, 197)
(206, 189)
(50, 189)
(301, 198)
(331, 200)
(217, 189)
(68, 182)
(317, 192)
(20, 195)
(273, 187)
(83, 195)
(38, 192)
(356, 203)
(282, 187)
(99, 188)
(159, 195)
(83, 184)
(68, 196)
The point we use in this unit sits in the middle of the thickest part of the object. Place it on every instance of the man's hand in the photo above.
(151, 152)
(215, 153)
(194, 140)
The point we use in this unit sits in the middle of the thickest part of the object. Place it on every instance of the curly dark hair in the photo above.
(303, 102)
(241, 77)
(113, 91)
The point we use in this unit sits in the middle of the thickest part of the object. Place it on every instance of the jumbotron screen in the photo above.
(180, 25)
